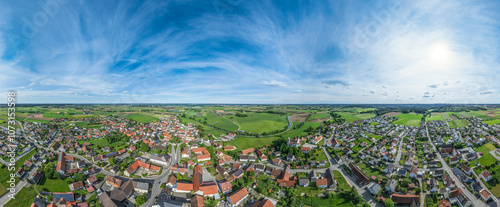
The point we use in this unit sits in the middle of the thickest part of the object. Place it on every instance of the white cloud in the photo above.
(274, 83)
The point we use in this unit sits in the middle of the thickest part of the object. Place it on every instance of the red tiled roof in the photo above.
(226, 186)
(247, 151)
(238, 195)
(263, 203)
(404, 199)
(321, 182)
(185, 186)
(209, 189)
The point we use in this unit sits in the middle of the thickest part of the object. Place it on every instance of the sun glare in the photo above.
(439, 52)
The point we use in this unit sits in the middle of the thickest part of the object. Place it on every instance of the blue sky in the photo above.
(234, 51)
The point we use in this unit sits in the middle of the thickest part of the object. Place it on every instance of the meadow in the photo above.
(242, 143)
(220, 122)
(352, 117)
(409, 119)
(318, 117)
(260, 122)
(301, 132)
(341, 181)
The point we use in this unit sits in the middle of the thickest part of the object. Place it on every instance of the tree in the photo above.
(112, 161)
(140, 200)
(389, 203)
(79, 177)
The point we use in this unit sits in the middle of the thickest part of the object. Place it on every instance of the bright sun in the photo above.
(439, 52)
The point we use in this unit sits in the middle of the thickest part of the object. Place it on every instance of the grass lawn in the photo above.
(486, 148)
(23, 198)
(377, 137)
(335, 201)
(409, 119)
(341, 181)
(374, 123)
(100, 143)
(3, 189)
(53, 185)
(319, 155)
(496, 190)
(82, 124)
(260, 122)
(487, 159)
(311, 189)
(141, 118)
(368, 171)
(242, 143)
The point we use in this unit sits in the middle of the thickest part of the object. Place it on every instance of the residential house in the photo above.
(486, 175)
(373, 188)
(238, 197)
(390, 186)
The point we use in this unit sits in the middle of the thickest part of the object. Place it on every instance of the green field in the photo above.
(352, 117)
(37, 120)
(23, 198)
(208, 130)
(377, 137)
(260, 122)
(87, 124)
(358, 109)
(100, 143)
(220, 122)
(458, 123)
(493, 122)
(434, 117)
(50, 114)
(487, 159)
(408, 119)
(336, 201)
(318, 116)
(473, 113)
(141, 118)
(300, 132)
(486, 148)
(242, 143)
